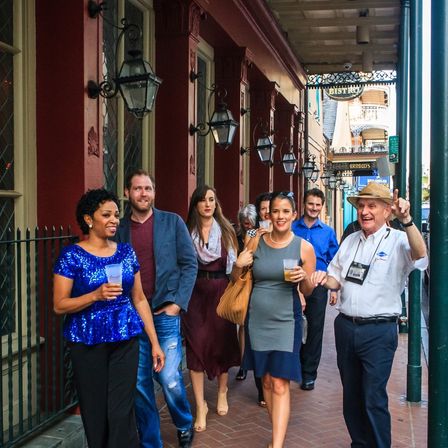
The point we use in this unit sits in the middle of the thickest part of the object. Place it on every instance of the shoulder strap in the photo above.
(252, 244)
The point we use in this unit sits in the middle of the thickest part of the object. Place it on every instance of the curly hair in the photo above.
(194, 221)
(90, 202)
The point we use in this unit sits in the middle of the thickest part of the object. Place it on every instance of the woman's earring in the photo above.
(90, 226)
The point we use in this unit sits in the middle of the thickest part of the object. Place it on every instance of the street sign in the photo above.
(393, 148)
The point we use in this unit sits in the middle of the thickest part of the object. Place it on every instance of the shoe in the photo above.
(185, 438)
(200, 424)
(307, 385)
(222, 407)
(261, 401)
(241, 375)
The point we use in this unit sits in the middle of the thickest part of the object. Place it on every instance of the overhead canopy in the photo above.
(342, 36)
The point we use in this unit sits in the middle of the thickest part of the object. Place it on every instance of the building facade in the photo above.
(56, 142)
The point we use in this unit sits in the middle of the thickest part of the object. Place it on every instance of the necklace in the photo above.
(281, 242)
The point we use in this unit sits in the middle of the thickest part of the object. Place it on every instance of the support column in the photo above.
(307, 135)
(177, 31)
(285, 114)
(402, 97)
(438, 318)
(402, 123)
(414, 368)
(231, 74)
(299, 143)
(68, 126)
(262, 107)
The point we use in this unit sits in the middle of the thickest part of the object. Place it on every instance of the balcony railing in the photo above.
(37, 385)
(370, 114)
(361, 149)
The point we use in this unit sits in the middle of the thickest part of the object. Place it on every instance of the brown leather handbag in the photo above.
(234, 302)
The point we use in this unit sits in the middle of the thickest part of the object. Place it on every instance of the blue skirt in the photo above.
(279, 364)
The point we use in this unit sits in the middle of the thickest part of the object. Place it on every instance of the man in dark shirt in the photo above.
(168, 270)
(324, 242)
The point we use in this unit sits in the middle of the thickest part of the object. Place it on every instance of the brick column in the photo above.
(284, 134)
(67, 121)
(262, 107)
(177, 30)
(231, 75)
(299, 142)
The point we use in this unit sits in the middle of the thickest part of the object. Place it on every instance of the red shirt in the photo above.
(142, 242)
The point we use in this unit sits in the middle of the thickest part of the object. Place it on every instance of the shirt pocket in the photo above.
(379, 273)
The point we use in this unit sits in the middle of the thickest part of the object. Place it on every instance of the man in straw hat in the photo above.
(370, 270)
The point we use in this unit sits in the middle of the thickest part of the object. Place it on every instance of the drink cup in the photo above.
(265, 224)
(114, 273)
(288, 266)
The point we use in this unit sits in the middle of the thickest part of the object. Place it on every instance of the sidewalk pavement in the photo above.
(316, 416)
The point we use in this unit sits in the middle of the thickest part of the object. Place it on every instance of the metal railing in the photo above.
(370, 113)
(361, 149)
(36, 385)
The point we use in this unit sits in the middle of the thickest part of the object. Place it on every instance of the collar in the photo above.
(301, 222)
(375, 236)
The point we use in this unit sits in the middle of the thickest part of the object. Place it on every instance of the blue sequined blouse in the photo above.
(104, 320)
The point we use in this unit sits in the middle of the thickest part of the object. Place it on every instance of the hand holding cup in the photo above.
(292, 271)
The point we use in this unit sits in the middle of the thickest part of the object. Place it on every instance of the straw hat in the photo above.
(373, 190)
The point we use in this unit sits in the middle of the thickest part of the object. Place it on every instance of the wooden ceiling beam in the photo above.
(301, 37)
(346, 49)
(338, 21)
(332, 5)
(314, 69)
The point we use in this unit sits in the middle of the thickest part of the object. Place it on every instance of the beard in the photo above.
(141, 206)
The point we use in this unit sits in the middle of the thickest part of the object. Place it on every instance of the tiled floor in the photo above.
(316, 416)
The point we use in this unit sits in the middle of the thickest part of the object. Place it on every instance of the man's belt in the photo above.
(211, 274)
(370, 320)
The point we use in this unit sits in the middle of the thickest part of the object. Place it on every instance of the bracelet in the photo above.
(408, 224)
(334, 290)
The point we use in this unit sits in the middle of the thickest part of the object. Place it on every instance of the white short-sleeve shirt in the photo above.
(389, 255)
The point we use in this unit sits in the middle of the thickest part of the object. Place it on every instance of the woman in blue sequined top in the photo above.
(102, 321)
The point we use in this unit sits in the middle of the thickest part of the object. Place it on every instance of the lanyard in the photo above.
(377, 247)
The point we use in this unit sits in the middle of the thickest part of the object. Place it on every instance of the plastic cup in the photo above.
(114, 273)
(288, 266)
(265, 224)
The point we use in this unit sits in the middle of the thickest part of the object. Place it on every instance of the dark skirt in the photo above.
(211, 342)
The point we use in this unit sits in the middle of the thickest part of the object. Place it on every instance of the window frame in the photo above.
(206, 53)
(148, 122)
(24, 192)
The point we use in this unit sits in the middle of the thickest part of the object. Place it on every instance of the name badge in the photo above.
(357, 272)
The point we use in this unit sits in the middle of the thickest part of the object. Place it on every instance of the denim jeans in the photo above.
(170, 379)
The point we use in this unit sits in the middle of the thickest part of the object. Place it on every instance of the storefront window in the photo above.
(204, 146)
(123, 134)
(7, 217)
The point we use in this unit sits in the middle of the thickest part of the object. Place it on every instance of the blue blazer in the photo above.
(175, 258)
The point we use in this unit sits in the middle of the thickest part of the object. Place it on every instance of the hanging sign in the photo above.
(344, 93)
(393, 148)
(352, 166)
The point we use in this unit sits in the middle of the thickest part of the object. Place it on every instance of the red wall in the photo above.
(64, 113)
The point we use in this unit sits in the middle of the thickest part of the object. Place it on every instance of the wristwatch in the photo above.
(408, 224)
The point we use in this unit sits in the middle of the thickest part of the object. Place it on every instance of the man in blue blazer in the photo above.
(168, 267)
